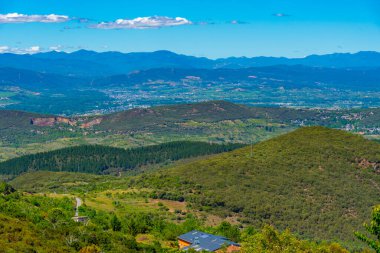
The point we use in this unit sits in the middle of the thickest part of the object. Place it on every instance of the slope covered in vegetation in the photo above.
(168, 118)
(36, 223)
(320, 183)
(215, 121)
(101, 159)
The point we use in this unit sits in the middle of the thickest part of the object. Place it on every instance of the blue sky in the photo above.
(217, 28)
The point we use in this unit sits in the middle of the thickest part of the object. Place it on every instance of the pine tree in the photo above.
(115, 223)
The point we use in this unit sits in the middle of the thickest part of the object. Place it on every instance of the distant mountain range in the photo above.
(36, 80)
(90, 63)
(297, 76)
(92, 82)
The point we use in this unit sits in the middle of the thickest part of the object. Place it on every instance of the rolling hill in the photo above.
(212, 121)
(161, 117)
(166, 116)
(172, 117)
(318, 182)
(24, 133)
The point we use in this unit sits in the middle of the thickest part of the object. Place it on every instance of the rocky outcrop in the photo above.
(51, 121)
(43, 121)
(365, 164)
(65, 121)
(91, 123)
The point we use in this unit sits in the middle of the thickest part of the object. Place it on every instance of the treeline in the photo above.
(103, 159)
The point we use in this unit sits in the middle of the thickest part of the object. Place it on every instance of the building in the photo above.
(200, 241)
(82, 219)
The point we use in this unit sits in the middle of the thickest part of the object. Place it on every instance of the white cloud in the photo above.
(55, 48)
(4, 49)
(143, 23)
(280, 15)
(23, 18)
(33, 49)
(16, 50)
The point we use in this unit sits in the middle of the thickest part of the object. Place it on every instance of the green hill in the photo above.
(13, 119)
(212, 121)
(165, 116)
(215, 121)
(168, 118)
(320, 183)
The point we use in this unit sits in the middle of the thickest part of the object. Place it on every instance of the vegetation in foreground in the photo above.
(37, 223)
(372, 238)
(312, 174)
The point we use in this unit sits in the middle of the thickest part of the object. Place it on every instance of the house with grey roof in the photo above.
(200, 241)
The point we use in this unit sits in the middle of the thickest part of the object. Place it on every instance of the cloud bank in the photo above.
(16, 50)
(143, 23)
(23, 18)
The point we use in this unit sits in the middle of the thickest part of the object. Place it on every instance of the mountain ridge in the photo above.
(288, 76)
(91, 63)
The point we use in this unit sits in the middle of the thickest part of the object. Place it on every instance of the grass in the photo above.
(62, 182)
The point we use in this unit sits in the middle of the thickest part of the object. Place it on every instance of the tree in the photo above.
(6, 189)
(374, 229)
(269, 240)
(231, 232)
(56, 216)
(115, 223)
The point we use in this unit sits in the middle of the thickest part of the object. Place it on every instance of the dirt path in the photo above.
(79, 203)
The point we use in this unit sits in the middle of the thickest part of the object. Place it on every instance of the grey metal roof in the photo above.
(203, 241)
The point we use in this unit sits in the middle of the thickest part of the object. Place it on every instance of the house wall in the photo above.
(230, 249)
(182, 244)
(233, 248)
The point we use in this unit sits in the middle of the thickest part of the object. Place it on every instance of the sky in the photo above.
(207, 28)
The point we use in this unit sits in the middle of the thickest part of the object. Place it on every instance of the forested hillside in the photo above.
(36, 223)
(320, 183)
(211, 121)
(102, 160)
